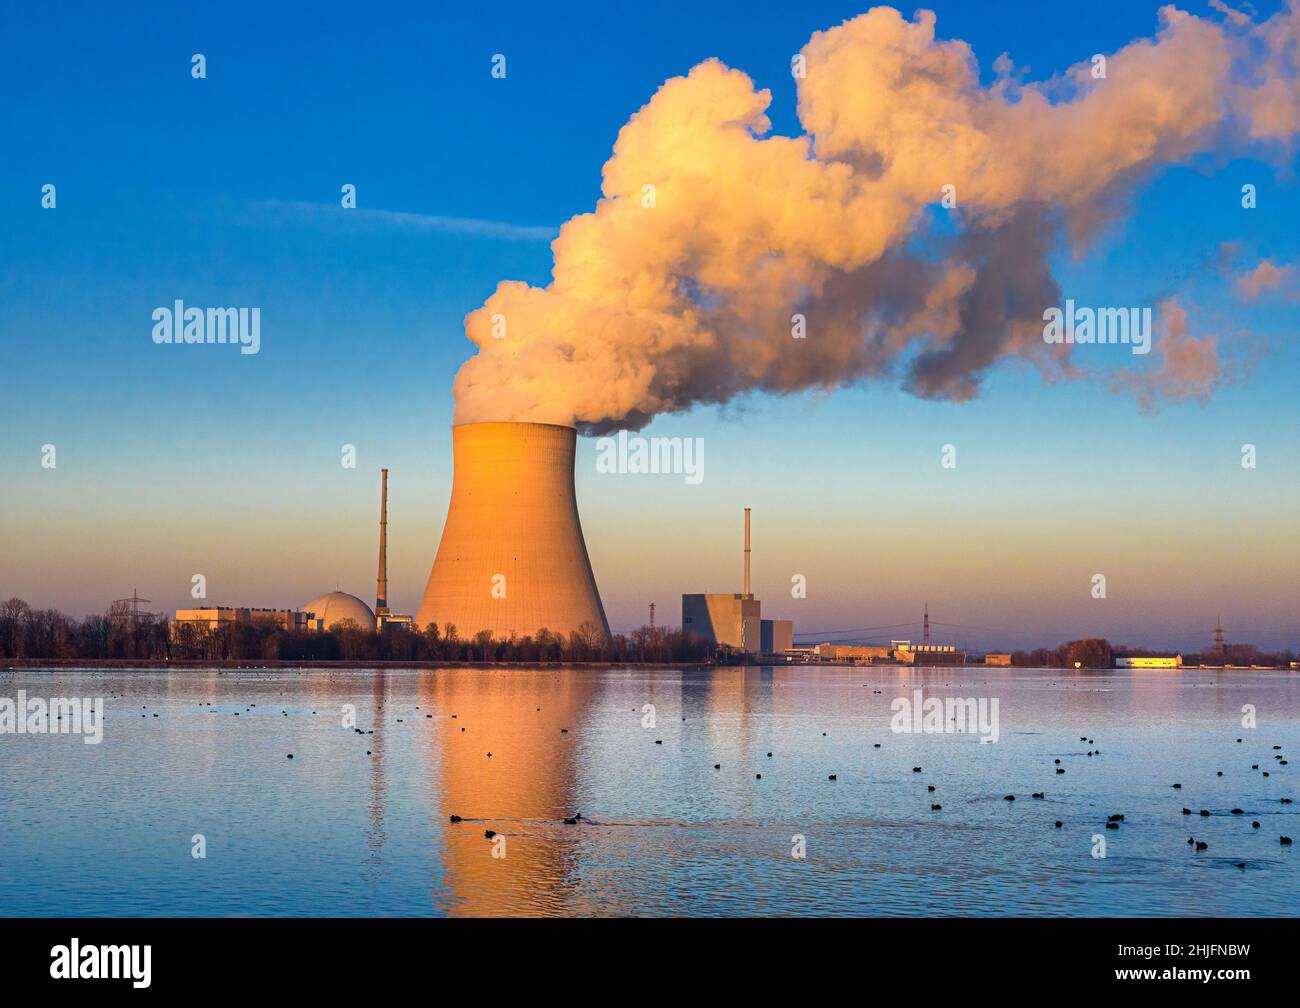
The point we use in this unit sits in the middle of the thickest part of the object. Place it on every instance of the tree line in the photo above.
(1097, 652)
(121, 633)
(27, 633)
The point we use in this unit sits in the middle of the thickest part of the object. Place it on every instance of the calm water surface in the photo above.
(338, 830)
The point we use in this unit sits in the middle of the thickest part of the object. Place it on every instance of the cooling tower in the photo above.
(512, 559)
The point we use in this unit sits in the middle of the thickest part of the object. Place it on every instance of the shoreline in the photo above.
(269, 664)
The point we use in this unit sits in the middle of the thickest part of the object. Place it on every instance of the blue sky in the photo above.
(220, 191)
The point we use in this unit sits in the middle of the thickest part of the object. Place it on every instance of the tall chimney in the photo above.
(512, 559)
(381, 591)
(747, 595)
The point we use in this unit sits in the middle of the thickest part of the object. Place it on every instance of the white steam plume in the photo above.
(654, 309)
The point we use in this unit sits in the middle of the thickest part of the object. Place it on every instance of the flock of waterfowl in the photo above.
(1112, 822)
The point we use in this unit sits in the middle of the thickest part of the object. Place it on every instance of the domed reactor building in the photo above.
(337, 606)
(512, 559)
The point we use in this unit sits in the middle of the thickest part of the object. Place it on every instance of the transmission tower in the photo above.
(135, 601)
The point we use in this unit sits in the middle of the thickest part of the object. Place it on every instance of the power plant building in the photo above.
(322, 612)
(735, 620)
(214, 617)
(512, 559)
(776, 636)
(907, 653)
(724, 620)
(851, 652)
(334, 607)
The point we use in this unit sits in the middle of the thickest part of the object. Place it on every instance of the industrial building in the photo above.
(848, 654)
(319, 614)
(776, 636)
(728, 620)
(1154, 661)
(997, 658)
(214, 617)
(512, 559)
(734, 620)
(895, 653)
(907, 653)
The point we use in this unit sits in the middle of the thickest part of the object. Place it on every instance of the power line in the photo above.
(967, 626)
(854, 630)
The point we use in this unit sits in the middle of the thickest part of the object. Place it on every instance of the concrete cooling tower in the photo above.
(512, 559)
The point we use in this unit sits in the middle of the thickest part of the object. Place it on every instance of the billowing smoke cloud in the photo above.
(713, 239)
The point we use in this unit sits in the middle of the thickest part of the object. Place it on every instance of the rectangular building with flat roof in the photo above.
(851, 652)
(1153, 661)
(907, 653)
(732, 620)
(212, 617)
(776, 636)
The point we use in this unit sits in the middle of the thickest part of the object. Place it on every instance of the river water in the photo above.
(359, 824)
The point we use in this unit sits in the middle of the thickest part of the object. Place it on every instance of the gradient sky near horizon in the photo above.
(225, 191)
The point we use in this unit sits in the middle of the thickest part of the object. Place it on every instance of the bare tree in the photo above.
(14, 615)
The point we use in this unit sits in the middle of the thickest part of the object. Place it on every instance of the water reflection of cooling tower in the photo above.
(512, 559)
(524, 790)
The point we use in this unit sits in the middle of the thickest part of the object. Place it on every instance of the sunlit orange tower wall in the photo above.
(512, 558)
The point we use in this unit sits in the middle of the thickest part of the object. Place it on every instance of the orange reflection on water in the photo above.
(525, 789)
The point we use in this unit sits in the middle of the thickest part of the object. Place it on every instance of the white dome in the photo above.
(337, 606)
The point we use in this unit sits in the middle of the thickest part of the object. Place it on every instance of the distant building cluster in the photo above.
(846, 654)
(734, 622)
(899, 652)
(321, 613)
(724, 626)
(731, 625)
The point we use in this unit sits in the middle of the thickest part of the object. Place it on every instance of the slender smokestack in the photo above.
(512, 559)
(381, 592)
(747, 595)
